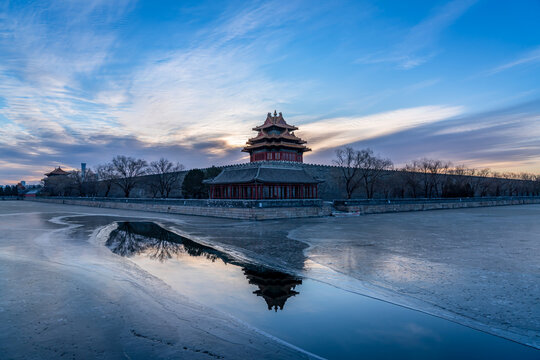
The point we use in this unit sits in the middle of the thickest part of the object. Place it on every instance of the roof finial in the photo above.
(275, 113)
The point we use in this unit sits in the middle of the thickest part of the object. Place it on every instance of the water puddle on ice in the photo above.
(311, 315)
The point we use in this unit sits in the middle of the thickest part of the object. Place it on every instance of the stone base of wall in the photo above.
(285, 209)
(248, 212)
(378, 207)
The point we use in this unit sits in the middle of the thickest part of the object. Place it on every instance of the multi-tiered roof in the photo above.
(276, 141)
(56, 172)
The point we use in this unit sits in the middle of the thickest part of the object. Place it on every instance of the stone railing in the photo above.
(11, 197)
(233, 209)
(375, 206)
(284, 209)
(226, 203)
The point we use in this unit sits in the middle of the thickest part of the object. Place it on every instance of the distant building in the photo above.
(32, 193)
(271, 173)
(57, 172)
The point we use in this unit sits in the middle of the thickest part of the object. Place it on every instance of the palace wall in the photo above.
(283, 209)
(332, 187)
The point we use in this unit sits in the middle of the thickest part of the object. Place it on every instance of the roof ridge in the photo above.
(258, 171)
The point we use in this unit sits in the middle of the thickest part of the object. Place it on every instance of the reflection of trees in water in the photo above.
(148, 238)
(137, 238)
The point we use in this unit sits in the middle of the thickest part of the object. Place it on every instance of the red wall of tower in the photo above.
(276, 155)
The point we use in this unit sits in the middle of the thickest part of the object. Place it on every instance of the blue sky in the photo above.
(82, 81)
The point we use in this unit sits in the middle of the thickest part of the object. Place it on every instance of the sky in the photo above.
(83, 81)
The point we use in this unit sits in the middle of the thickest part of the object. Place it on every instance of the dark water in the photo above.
(311, 315)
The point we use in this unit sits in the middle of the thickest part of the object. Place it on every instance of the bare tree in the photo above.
(348, 160)
(536, 185)
(361, 168)
(439, 174)
(127, 171)
(107, 176)
(459, 176)
(458, 181)
(482, 182)
(85, 183)
(431, 172)
(371, 169)
(423, 168)
(412, 178)
(526, 186)
(510, 186)
(166, 175)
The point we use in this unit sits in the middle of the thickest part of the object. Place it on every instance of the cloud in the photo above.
(198, 95)
(202, 99)
(417, 46)
(22, 162)
(253, 19)
(331, 133)
(42, 67)
(530, 57)
(502, 139)
(213, 90)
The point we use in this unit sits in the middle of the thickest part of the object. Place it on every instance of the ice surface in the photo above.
(63, 297)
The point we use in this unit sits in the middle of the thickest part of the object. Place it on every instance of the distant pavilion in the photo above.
(57, 172)
(273, 171)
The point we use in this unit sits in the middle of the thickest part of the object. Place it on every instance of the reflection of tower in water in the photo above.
(274, 287)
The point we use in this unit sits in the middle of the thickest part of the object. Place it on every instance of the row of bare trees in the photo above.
(123, 171)
(375, 176)
(361, 173)
(361, 168)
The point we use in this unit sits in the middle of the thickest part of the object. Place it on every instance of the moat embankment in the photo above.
(286, 209)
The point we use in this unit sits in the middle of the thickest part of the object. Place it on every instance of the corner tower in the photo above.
(276, 141)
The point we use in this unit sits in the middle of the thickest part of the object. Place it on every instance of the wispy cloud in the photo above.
(502, 139)
(331, 133)
(212, 92)
(418, 45)
(530, 57)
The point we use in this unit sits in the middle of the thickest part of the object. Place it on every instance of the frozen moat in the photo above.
(78, 270)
